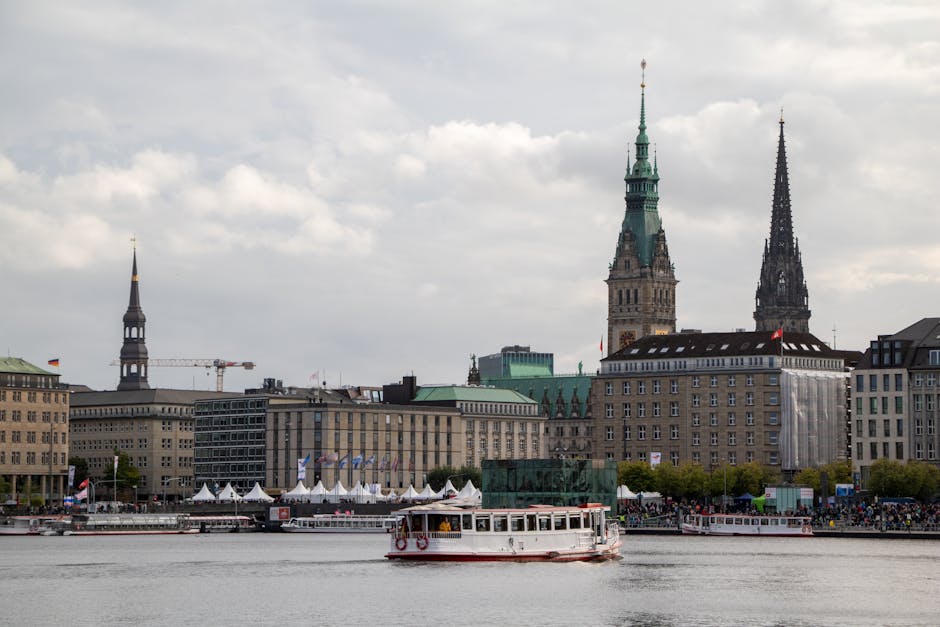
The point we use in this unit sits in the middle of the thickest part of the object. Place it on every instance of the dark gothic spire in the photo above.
(782, 298)
(134, 348)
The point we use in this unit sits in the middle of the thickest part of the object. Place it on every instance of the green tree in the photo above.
(638, 476)
(127, 475)
(887, 478)
(693, 480)
(437, 477)
(752, 478)
(4, 486)
(921, 479)
(808, 477)
(668, 480)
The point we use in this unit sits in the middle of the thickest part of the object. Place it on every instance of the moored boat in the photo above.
(444, 532)
(222, 524)
(28, 525)
(340, 523)
(124, 524)
(741, 525)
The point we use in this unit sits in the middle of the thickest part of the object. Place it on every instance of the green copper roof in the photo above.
(15, 365)
(642, 194)
(529, 370)
(470, 393)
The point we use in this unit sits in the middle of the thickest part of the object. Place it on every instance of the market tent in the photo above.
(468, 491)
(448, 490)
(747, 496)
(228, 494)
(258, 495)
(427, 493)
(410, 494)
(337, 493)
(623, 492)
(299, 493)
(318, 493)
(360, 494)
(205, 494)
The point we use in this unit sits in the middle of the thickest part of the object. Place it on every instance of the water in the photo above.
(307, 579)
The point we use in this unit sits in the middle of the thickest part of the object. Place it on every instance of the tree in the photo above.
(668, 480)
(638, 476)
(887, 478)
(127, 474)
(808, 477)
(437, 477)
(693, 478)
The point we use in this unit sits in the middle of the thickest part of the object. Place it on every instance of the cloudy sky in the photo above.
(372, 189)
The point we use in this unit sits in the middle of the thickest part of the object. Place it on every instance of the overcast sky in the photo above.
(373, 189)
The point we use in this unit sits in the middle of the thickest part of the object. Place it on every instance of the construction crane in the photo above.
(219, 364)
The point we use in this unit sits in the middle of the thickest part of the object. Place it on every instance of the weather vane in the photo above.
(643, 73)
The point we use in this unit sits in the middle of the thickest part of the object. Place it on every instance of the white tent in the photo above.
(228, 494)
(360, 494)
(205, 494)
(468, 491)
(410, 494)
(258, 495)
(623, 492)
(427, 493)
(338, 492)
(448, 490)
(299, 493)
(318, 493)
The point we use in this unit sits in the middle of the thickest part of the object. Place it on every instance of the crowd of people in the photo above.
(881, 516)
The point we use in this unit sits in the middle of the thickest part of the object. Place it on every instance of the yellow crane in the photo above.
(219, 364)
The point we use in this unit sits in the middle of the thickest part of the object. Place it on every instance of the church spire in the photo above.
(134, 348)
(782, 299)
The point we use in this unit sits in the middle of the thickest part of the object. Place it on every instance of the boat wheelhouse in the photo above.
(538, 533)
(739, 525)
(340, 523)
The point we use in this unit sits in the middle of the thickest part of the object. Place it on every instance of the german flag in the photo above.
(54, 362)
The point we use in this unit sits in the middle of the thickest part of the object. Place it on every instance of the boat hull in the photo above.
(748, 526)
(142, 532)
(597, 555)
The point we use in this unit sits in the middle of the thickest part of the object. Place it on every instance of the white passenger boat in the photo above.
(340, 523)
(538, 533)
(222, 524)
(739, 525)
(124, 524)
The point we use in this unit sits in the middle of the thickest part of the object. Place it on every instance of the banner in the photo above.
(71, 477)
(115, 464)
(302, 469)
(655, 459)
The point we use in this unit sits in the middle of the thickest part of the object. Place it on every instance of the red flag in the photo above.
(602, 344)
(777, 334)
(83, 484)
(54, 362)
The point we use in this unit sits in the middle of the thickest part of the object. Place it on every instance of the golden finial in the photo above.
(643, 73)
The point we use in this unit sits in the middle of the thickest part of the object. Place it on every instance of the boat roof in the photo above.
(459, 507)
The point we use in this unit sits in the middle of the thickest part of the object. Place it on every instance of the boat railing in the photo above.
(449, 535)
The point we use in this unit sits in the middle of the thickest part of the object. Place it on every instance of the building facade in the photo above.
(641, 284)
(716, 398)
(782, 299)
(34, 414)
(516, 361)
(897, 397)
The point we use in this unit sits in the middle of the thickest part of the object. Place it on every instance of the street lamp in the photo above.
(166, 481)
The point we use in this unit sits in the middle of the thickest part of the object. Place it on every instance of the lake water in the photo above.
(314, 579)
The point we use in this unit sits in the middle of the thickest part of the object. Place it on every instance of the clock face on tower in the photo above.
(627, 338)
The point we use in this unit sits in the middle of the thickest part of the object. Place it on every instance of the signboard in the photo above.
(655, 458)
(770, 492)
(845, 489)
(279, 513)
(806, 494)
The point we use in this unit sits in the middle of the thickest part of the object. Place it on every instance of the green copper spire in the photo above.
(642, 197)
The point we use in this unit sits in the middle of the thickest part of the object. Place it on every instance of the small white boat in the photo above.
(340, 523)
(28, 525)
(444, 532)
(222, 524)
(740, 525)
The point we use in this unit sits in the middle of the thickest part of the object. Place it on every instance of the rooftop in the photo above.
(15, 365)
(470, 393)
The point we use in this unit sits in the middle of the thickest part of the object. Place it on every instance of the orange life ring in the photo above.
(401, 543)
(421, 542)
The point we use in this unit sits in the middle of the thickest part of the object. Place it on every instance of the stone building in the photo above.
(782, 298)
(641, 284)
(33, 431)
(897, 398)
(715, 398)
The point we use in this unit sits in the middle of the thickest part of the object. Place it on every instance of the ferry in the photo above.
(123, 524)
(28, 525)
(739, 525)
(443, 532)
(340, 523)
(222, 524)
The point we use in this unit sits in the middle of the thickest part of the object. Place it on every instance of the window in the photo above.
(696, 401)
(641, 410)
(696, 381)
(713, 419)
(899, 427)
(626, 387)
(872, 430)
(899, 382)
(772, 379)
(657, 432)
(772, 399)
(626, 432)
(713, 381)
(749, 418)
(696, 440)
(772, 418)
(859, 383)
(749, 398)
(674, 432)
(713, 400)
(641, 387)
(899, 450)
(887, 428)
(772, 438)
(673, 386)
(641, 432)
(626, 410)
(899, 404)
(732, 419)
(673, 408)
(873, 450)
(918, 402)
(714, 438)
(731, 380)
(732, 399)
(732, 438)
(696, 420)
(749, 438)
(872, 383)
(656, 410)
(608, 388)
(609, 410)
(609, 435)
(656, 386)
(884, 404)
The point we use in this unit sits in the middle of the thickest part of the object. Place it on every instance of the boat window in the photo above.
(516, 522)
(575, 521)
(500, 523)
(561, 521)
(544, 522)
(482, 522)
(738, 521)
(764, 522)
(467, 521)
(530, 522)
(585, 520)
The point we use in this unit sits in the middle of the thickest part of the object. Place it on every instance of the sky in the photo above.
(346, 193)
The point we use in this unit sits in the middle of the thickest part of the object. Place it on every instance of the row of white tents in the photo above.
(626, 494)
(359, 493)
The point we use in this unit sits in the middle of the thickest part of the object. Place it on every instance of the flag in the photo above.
(602, 344)
(83, 484)
(302, 468)
(71, 476)
(54, 362)
(777, 334)
(371, 460)
(344, 461)
(411, 463)
(115, 464)
(82, 495)
(383, 465)
(331, 459)
(357, 460)
(395, 465)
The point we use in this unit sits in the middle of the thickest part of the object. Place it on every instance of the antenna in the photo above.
(643, 73)
(833, 334)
